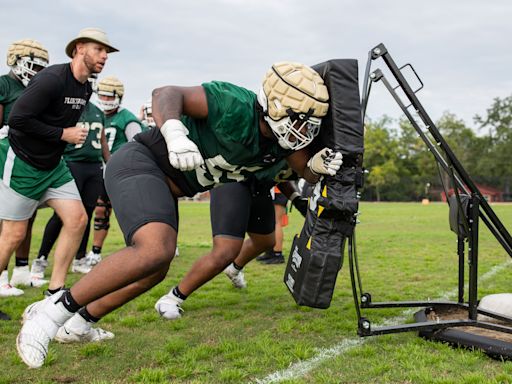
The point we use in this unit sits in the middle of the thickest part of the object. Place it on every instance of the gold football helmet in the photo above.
(293, 96)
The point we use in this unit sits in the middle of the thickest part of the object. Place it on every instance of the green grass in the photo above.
(226, 335)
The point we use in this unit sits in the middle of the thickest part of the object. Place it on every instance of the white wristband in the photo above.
(173, 128)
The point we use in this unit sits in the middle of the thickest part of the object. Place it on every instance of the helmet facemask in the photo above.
(110, 86)
(26, 58)
(295, 131)
(108, 105)
(26, 67)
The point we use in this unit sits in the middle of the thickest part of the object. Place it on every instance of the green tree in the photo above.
(497, 146)
(381, 155)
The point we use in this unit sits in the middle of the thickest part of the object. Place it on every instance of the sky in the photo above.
(458, 47)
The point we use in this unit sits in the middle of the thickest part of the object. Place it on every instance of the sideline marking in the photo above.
(300, 368)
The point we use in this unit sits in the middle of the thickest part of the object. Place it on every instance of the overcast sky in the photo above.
(460, 49)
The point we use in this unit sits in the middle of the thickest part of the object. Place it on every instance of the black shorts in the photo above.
(89, 180)
(138, 190)
(236, 208)
(103, 196)
(280, 199)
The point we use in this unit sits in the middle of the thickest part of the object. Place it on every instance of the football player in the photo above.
(25, 58)
(146, 115)
(207, 135)
(275, 255)
(235, 209)
(41, 122)
(120, 127)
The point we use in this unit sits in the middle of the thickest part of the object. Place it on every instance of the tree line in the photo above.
(401, 168)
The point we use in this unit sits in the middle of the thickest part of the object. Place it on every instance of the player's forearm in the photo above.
(167, 103)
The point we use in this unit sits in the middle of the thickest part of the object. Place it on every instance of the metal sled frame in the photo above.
(479, 209)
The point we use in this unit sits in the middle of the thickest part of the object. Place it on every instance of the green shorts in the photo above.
(26, 187)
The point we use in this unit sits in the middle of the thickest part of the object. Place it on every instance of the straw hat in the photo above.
(90, 35)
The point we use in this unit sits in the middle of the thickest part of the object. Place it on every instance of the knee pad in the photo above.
(102, 223)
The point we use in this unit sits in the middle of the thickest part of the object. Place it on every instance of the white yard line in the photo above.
(300, 368)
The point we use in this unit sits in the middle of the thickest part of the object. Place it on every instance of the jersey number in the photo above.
(217, 170)
(110, 132)
(95, 128)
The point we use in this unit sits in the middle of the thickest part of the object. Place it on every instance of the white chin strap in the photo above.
(24, 68)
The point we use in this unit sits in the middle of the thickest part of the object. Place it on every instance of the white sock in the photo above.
(4, 277)
(78, 324)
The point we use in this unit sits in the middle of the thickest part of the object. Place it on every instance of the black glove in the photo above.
(301, 203)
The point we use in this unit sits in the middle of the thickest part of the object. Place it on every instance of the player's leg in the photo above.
(260, 229)
(132, 173)
(15, 217)
(74, 220)
(102, 214)
(93, 188)
(89, 179)
(21, 273)
(280, 214)
(11, 236)
(229, 212)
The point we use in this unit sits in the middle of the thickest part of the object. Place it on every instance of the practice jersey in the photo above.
(52, 102)
(115, 126)
(90, 151)
(10, 90)
(229, 140)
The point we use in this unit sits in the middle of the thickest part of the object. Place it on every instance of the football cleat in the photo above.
(4, 316)
(81, 266)
(236, 276)
(169, 306)
(78, 330)
(38, 267)
(276, 259)
(22, 276)
(93, 258)
(38, 330)
(31, 309)
(7, 290)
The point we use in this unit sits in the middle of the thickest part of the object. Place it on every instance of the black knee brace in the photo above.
(103, 222)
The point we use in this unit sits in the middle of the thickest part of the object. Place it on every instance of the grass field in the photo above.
(256, 335)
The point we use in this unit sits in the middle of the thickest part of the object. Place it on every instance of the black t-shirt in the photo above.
(53, 100)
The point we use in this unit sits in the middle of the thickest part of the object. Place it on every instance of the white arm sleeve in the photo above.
(132, 129)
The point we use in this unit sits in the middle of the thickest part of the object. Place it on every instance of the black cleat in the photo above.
(265, 256)
(274, 260)
(4, 316)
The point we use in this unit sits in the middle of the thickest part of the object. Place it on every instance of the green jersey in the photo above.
(93, 119)
(10, 90)
(230, 140)
(115, 126)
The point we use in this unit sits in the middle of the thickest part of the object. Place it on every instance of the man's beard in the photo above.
(90, 64)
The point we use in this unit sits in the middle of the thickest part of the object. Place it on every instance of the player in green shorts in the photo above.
(25, 58)
(32, 172)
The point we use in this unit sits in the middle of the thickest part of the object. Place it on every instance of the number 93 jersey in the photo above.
(229, 139)
(93, 119)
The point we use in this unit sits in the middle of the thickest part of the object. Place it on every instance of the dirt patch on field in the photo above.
(454, 313)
